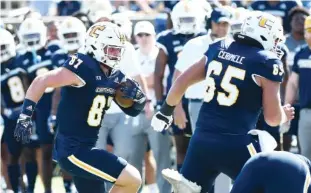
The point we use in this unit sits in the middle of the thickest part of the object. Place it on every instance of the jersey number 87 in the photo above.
(96, 112)
(215, 67)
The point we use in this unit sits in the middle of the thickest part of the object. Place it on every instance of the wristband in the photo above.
(166, 109)
(28, 107)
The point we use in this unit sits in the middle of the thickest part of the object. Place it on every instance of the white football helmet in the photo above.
(265, 28)
(33, 34)
(7, 43)
(187, 17)
(71, 33)
(103, 39)
(122, 20)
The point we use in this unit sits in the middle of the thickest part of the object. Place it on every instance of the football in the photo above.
(123, 102)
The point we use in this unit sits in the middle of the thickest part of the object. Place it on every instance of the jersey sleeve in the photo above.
(161, 42)
(272, 69)
(187, 57)
(78, 66)
(295, 67)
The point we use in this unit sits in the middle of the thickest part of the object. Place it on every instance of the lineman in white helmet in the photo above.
(242, 77)
(14, 81)
(89, 82)
(187, 20)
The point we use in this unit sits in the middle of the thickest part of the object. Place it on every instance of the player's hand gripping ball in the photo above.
(126, 93)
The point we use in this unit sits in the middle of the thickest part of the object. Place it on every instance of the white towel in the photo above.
(266, 141)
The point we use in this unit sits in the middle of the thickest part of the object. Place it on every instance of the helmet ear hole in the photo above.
(93, 47)
(263, 38)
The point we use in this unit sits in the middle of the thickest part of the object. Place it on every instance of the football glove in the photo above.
(23, 129)
(161, 122)
(133, 91)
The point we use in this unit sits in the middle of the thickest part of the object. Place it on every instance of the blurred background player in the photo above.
(222, 128)
(37, 61)
(160, 144)
(14, 82)
(277, 8)
(274, 172)
(299, 80)
(294, 41)
(187, 20)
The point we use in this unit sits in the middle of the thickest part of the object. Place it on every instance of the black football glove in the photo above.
(23, 129)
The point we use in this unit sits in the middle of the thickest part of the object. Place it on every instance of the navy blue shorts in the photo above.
(262, 125)
(92, 167)
(110, 142)
(15, 147)
(187, 131)
(275, 172)
(44, 134)
(210, 154)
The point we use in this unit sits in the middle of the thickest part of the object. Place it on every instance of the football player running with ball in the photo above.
(88, 88)
(242, 75)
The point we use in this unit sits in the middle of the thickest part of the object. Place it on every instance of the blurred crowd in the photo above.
(145, 59)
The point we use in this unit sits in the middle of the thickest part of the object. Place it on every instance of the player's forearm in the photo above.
(36, 89)
(290, 95)
(177, 91)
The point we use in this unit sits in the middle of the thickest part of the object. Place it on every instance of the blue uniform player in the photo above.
(300, 79)
(37, 61)
(89, 83)
(186, 23)
(277, 8)
(14, 82)
(242, 76)
(273, 172)
(71, 33)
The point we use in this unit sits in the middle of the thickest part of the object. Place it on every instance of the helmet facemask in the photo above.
(7, 44)
(72, 41)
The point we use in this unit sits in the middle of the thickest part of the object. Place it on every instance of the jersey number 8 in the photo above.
(215, 67)
(96, 112)
(16, 89)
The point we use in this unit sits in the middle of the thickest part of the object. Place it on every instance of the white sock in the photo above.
(153, 188)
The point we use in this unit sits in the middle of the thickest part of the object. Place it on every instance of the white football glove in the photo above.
(161, 122)
(284, 128)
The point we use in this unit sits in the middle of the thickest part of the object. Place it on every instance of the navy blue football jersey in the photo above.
(38, 63)
(302, 66)
(233, 100)
(59, 57)
(172, 44)
(280, 9)
(81, 108)
(13, 84)
(53, 46)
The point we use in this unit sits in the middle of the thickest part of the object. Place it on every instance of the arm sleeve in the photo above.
(161, 43)
(134, 110)
(295, 67)
(272, 69)
(76, 65)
